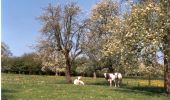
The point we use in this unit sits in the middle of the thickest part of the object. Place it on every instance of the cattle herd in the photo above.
(110, 77)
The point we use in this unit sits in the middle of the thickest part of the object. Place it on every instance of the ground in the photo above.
(34, 87)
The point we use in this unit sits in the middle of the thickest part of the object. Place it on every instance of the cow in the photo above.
(78, 81)
(116, 78)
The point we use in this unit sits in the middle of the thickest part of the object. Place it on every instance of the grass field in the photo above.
(33, 87)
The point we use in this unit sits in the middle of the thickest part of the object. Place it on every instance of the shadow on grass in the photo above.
(102, 83)
(147, 90)
(155, 90)
(60, 82)
(6, 94)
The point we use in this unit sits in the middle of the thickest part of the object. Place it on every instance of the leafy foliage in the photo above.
(26, 64)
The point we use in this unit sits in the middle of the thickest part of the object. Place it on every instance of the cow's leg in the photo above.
(118, 83)
(110, 81)
(115, 82)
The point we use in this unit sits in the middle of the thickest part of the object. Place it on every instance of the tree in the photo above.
(52, 60)
(165, 6)
(63, 28)
(167, 62)
(146, 32)
(153, 16)
(82, 66)
(92, 49)
(31, 64)
(5, 56)
(101, 15)
(25, 64)
(5, 52)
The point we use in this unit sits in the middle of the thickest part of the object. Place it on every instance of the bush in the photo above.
(25, 64)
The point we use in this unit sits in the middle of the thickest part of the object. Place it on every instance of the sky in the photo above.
(19, 26)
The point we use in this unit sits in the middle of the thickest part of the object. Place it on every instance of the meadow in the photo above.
(36, 87)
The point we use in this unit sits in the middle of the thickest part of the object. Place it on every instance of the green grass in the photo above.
(32, 87)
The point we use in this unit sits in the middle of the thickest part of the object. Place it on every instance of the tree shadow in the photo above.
(102, 83)
(59, 82)
(6, 94)
(147, 90)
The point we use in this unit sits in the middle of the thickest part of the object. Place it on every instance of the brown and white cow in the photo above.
(116, 78)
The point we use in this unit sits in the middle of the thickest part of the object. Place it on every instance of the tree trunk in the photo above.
(167, 63)
(68, 69)
(67, 73)
(94, 75)
(111, 69)
(56, 73)
(149, 79)
(167, 79)
(29, 72)
(110, 66)
(167, 75)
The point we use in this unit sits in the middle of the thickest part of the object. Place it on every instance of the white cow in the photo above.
(116, 78)
(78, 81)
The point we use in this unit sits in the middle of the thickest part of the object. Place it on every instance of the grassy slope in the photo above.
(32, 87)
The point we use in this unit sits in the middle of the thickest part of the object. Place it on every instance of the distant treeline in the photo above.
(25, 64)
(32, 65)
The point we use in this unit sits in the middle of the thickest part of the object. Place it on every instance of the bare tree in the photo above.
(63, 27)
(5, 51)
